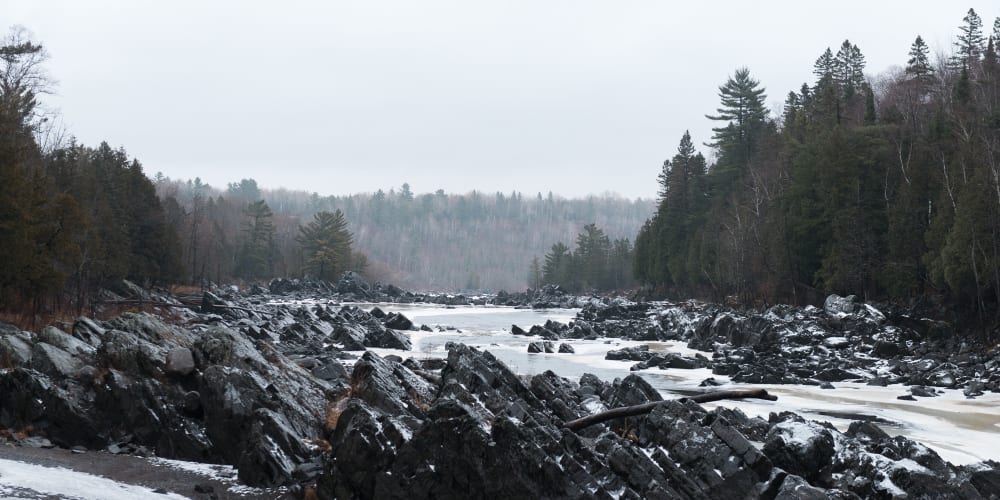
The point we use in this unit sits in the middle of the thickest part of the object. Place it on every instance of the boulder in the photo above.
(835, 305)
(566, 349)
(397, 321)
(179, 362)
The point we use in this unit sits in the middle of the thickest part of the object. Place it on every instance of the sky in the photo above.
(575, 97)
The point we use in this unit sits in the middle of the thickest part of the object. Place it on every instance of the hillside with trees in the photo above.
(428, 241)
(884, 187)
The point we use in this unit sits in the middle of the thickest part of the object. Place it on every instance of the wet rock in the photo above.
(638, 353)
(15, 349)
(516, 330)
(56, 337)
(973, 388)
(541, 347)
(88, 331)
(54, 361)
(397, 321)
(273, 451)
(802, 448)
(835, 305)
(923, 392)
(566, 349)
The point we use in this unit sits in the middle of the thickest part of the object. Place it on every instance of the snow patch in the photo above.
(21, 478)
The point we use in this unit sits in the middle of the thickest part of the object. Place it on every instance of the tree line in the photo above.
(597, 263)
(885, 187)
(75, 220)
(431, 241)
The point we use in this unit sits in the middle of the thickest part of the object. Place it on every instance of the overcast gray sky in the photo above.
(574, 97)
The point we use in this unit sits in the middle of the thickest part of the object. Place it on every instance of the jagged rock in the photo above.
(15, 349)
(923, 392)
(802, 448)
(835, 305)
(516, 330)
(54, 361)
(638, 353)
(566, 349)
(273, 451)
(397, 321)
(88, 331)
(56, 337)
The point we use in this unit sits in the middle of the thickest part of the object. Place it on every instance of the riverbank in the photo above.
(281, 386)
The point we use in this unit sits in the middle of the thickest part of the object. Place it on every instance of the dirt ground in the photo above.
(140, 471)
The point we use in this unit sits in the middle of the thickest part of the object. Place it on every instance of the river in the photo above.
(961, 430)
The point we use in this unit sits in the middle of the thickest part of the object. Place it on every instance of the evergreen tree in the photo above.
(969, 45)
(558, 267)
(256, 252)
(919, 65)
(326, 246)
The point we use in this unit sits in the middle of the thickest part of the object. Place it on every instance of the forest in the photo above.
(884, 187)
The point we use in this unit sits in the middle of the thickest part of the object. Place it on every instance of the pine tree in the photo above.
(919, 65)
(825, 66)
(256, 253)
(326, 246)
(969, 45)
(742, 108)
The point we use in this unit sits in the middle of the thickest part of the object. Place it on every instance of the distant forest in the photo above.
(430, 241)
(886, 187)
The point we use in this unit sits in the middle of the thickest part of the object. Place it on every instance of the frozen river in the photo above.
(961, 430)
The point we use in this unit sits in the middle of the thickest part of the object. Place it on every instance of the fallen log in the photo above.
(631, 411)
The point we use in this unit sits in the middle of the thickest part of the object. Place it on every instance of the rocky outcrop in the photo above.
(483, 431)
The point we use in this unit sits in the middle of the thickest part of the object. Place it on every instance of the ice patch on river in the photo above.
(28, 481)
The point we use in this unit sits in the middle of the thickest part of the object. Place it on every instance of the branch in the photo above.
(631, 411)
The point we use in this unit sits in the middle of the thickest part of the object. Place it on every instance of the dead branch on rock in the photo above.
(631, 411)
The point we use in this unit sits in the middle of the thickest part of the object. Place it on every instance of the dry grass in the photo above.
(335, 409)
(310, 493)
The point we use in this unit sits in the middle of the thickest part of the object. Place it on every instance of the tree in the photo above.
(919, 65)
(326, 245)
(256, 252)
(557, 269)
(969, 45)
(535, 276)
(742, 109)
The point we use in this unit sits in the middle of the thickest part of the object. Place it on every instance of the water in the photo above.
(961, 430)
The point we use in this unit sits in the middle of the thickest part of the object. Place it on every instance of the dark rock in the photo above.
(516, 330)
(566, 349)
(802, 448)
(709, 382)
(88, 331)
(378, 313)
(273, 450)
(397, 321)
(837, 305)
(923, 392)
(906, 397)
(54, 361)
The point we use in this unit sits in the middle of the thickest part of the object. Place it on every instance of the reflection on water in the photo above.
(960, 430)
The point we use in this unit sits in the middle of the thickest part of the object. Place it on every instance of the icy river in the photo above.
(961, 430)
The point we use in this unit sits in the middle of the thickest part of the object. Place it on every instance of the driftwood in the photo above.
(631, 411)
